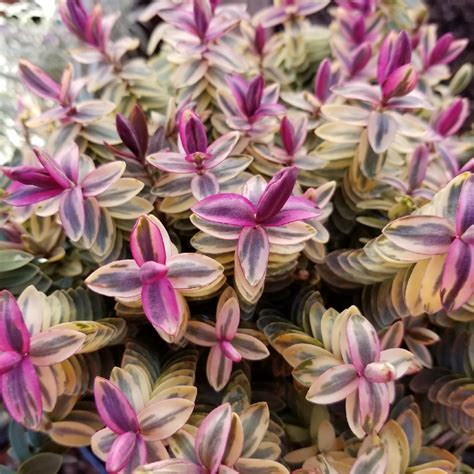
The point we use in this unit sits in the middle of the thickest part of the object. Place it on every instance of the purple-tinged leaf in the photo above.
(171, 466)
(322, 81)
(68, 159)
(100, 179)
(227, 320)
(359, 91)
(204, 185)
(162, 419)
(171, 162)
(451, 120)
(276, 193)
(27, 195)
(218, 368)
(53, 168)
(457, 283)
(55, 345)
(192, 133)
(359, 59)
(417, 167)
(221, 149)
(362, 342)
(229, 351)
(21, 394)
(260, 39)
(440, 50)
(400, 82)
(114, 408)
(211, 438)
(146, 241)
(373, 461)
(201, 334)
(254, 95)
(401, 359)
(249, 347)
(189, 271)
(119, 279)
(161, 305)
(231, 209)
(252, 252)
(334, 385)
(400, 54)
(9, 360)
(72, 213)
(38, 81)
(202, 16)
(425, 235)
(381, 129)
(380, 372)
(297, 208)
(31, 175)
(14, 335)
(374, 405)
(465, 208)
(121, 452)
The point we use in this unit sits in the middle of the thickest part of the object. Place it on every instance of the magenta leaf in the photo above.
(38, 81)
(14, 335)
(161, 306)
(72, 213)
(231, 209)
(121, 452)
(22, 395)
(276, 193)
(146, 242)
(113, 407)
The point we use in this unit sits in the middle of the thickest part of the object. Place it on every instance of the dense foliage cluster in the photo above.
(251, 251)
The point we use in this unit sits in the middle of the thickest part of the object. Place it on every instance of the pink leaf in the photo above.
(334, 385)
(204, 185)
(426, 235)
(72, 213)
(146, 241)
(171, 162)
(276, 193)
(297, 208)
(221, 149)
(465, 207)
(161, 305)
(191, 270)
(53, 168)
(55, 345)
(218, 368)
(121, 452)
(211, 438)
(100, 179)
(14, 335)
(119, 279)
(113, 407)
(227, 320)
(373, 405)
(457, 283)
(38, 81)
(22, 394)
(252, 252)
(231, 209)
(362, 342)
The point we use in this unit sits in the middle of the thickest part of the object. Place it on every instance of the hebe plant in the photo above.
(251, 251)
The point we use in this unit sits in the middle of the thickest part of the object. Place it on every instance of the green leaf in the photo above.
(13, 259)
(44, 462)
(18, 441)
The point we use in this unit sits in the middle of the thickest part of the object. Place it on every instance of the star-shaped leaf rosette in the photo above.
(292, 152)
(359, 373)
(227, 344)
(83, 195)
(265, 219)
(26, 354)
(158, 276)
(220, 445)
(133, 438)
(397, 80)
(198, 169)
(447, 242)
(249, 108)
(68, 110)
